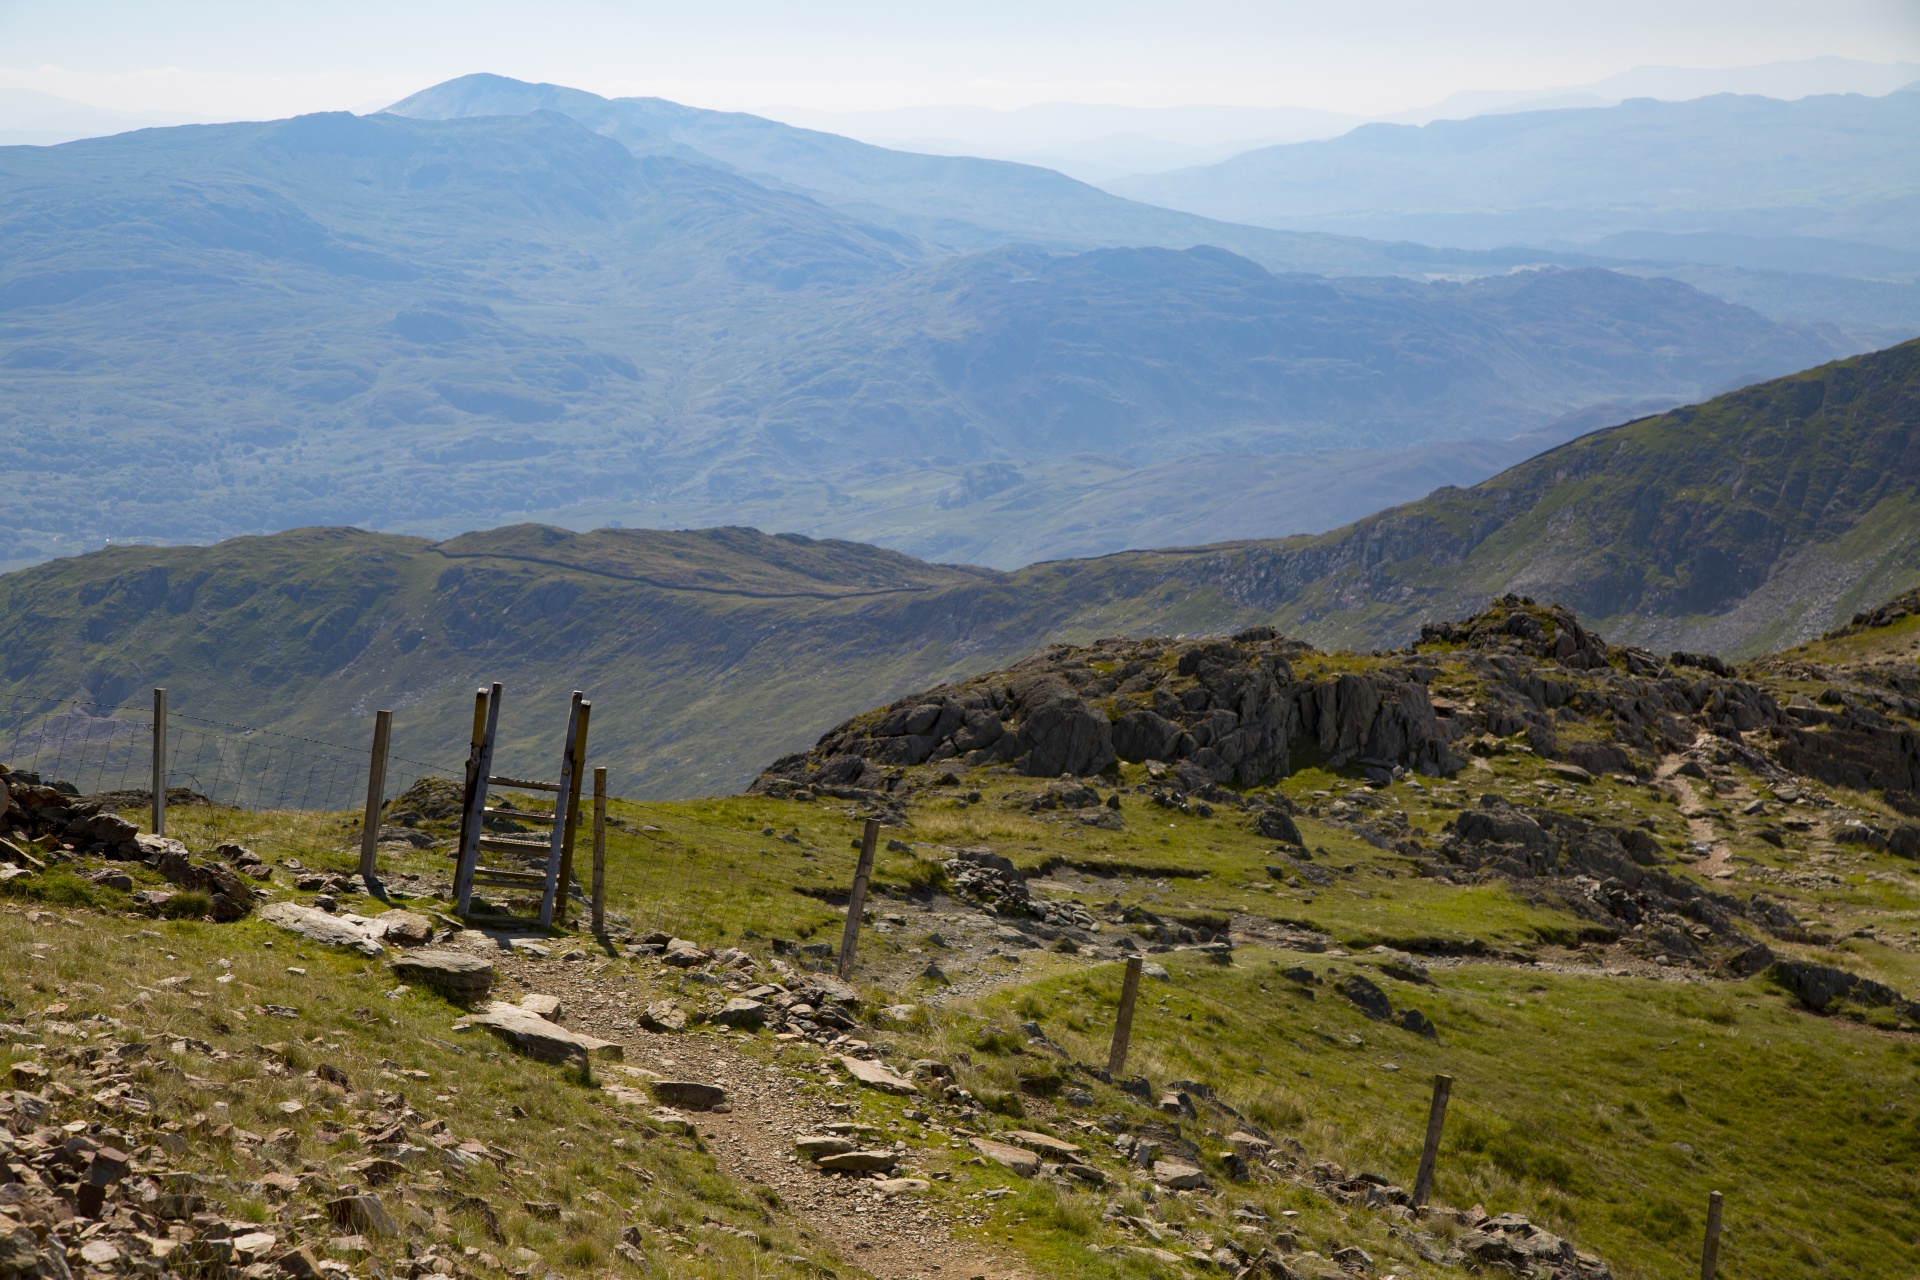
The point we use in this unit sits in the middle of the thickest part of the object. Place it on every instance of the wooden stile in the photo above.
(556, 846)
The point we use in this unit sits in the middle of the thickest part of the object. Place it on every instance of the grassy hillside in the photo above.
(1757, 519)
(431, 325)
(1617, 1050)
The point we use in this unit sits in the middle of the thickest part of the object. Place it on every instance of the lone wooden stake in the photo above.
(1710, 1255)
(376, 795)
(857, 903)
(1436, 1118)
(599, 851)
(1123, 1024)
(159, 762)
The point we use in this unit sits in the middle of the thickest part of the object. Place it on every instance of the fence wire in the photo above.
(94, 748)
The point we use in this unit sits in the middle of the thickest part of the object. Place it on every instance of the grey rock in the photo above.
(689, 1095)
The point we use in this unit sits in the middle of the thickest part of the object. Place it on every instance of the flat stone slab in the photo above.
(860, 1162)
(455, 972)
(877, 1075)
(538, 1038)
(902, 1186)
(690, 1094)
(356, 933)
(814, 1148)
(1019, 1159)
(1048, 1146)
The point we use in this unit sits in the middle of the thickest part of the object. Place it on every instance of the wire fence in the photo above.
(96, 748)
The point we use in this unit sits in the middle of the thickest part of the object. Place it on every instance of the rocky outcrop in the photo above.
(1606, 875)
(1223, 710)
(31, 809)
(1822, 987)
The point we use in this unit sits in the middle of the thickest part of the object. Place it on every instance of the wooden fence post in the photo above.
(159, 762)
(1123, 1022)
(572, 780)
(599, 851)
(554, 899)
(1430, 1152)
(486, 718)
(376, 796)
(1710, 1255)
(857, 902)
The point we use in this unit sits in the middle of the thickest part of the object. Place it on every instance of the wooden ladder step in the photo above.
(503, 844)
(489, 917)
(520, 815)
(493, 875)
(523, 784)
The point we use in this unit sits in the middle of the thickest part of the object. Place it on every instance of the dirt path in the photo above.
(1718, 864)
(899, 1237)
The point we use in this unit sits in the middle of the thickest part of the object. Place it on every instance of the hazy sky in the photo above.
(232, 59)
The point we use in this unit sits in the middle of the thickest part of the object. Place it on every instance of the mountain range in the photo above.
(1838, 167)
(431, 325)
(1752, 521)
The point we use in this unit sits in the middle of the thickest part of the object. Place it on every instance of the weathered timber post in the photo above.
(1430, 1152)
(599, 851)
(559, 856)
(857, 903)
(1710, 1254)
(376, 796)
(159, 762)
(1123, 1023)
(486, 718)
(572, 781)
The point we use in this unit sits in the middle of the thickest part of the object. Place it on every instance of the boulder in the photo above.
(534, 1036)
(404, 928)
(1277, 824)
(740, 1013)
(663, 1015)
(452, 973)
(688, 1094)
(1366, 997)
(363, 1214)
(682, 954)
(1180, 1176)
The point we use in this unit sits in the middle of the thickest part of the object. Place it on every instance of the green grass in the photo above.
(347, 1017)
